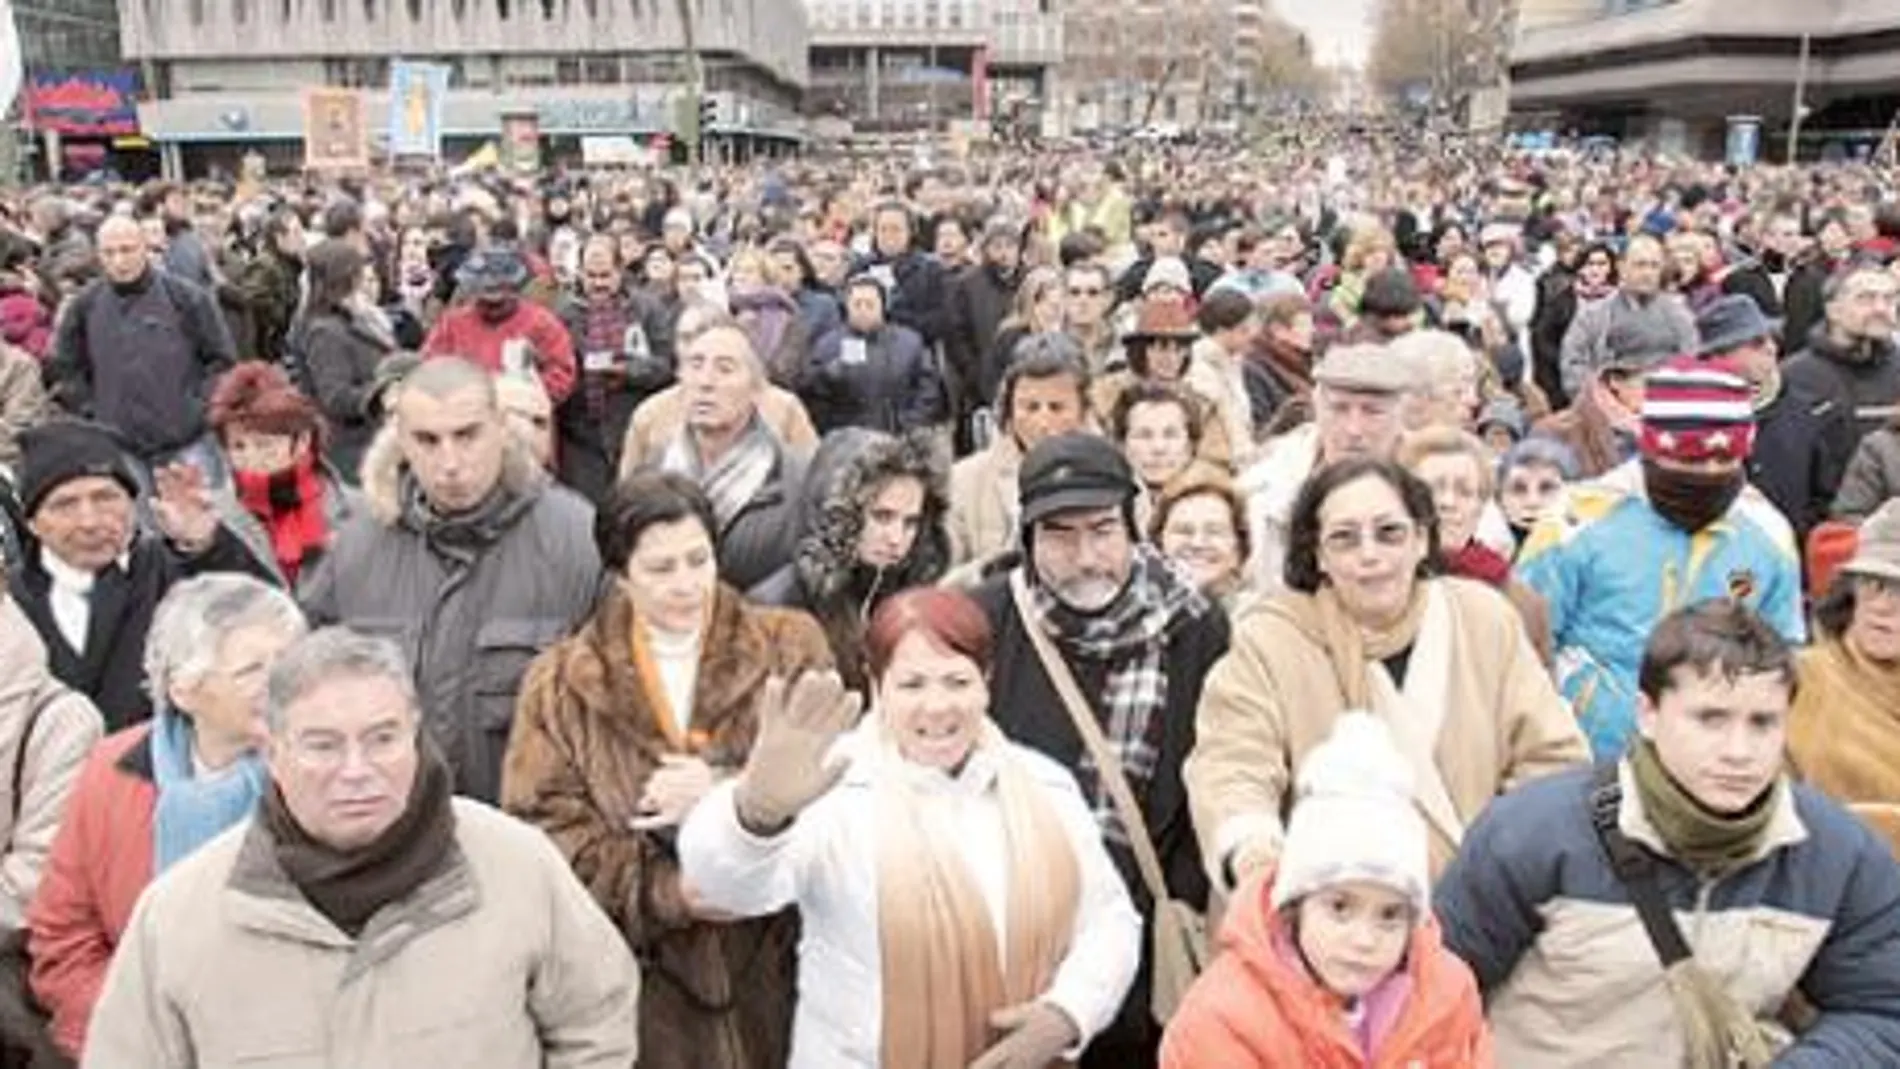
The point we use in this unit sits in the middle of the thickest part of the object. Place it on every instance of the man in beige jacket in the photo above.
(363, 917)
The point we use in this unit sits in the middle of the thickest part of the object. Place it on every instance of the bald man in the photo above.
(138, 351)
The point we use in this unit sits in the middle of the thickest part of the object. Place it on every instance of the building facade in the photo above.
(227, 77)
(1678, 74)
(894, 66)
(1132, 63)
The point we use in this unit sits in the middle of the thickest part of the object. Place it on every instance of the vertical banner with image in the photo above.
(416, 92)
(521, 142)
(335, 133)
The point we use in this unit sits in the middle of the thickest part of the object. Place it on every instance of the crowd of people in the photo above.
(1321, 603)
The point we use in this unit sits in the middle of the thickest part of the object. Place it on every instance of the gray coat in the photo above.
(1872, 476)
(469, 629)
(1619, 331)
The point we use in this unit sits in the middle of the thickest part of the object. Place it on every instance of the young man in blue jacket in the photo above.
(1784, 909)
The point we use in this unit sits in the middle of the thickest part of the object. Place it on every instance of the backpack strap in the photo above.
(1635, 868)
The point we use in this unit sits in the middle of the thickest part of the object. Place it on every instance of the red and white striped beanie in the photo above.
(1695, 409)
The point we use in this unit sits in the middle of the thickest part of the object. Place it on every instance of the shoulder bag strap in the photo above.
(1107, 767)
(19, 758)
(1635, 868)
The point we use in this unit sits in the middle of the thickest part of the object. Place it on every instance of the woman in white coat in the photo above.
(959, 909)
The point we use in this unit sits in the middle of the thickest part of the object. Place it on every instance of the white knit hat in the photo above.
(1355, 818)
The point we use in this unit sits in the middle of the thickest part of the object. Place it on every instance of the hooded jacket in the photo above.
(1254, 1009)
(825, 577)
(470, 619)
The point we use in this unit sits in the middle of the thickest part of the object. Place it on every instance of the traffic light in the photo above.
(708, 115)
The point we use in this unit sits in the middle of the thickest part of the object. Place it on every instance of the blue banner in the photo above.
(416, 92)
(1744, 140)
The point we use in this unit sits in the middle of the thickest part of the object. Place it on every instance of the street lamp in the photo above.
(1800, 111)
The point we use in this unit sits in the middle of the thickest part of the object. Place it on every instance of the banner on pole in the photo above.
(521, 141)
(335, 134)
(416, 92)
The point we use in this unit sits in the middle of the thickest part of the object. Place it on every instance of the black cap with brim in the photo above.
(1074, 499)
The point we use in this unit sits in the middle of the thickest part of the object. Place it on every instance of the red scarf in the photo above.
(290, 506)
(1475, 560)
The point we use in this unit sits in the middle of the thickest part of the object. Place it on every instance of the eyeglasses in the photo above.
(1389, 534)
(328, 751)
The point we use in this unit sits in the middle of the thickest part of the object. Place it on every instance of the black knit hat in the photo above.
(54, 454)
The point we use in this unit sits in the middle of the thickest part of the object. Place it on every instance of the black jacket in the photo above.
(1794, 462)
(921, 299)
(980, 300)
(1864, 384)
(112, 670)
(1550, 321)
(892, 385)
(339, 358)
(141, 358)
(1024, 704)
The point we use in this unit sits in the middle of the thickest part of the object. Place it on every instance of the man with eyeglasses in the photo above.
(1681, 524)
(1851, 363)
(1091, 297)
(440, 931)
(1138, 640)
(1359, 398)
(623, 340)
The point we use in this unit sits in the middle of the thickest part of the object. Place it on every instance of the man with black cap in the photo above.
(1794, 462)
(89, 578)
(1138, 641)
(498, 330)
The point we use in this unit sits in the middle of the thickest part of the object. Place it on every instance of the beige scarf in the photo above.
(942, 977)
(1415, 711)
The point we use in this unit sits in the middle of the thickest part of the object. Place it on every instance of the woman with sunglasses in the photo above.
(1367, 623)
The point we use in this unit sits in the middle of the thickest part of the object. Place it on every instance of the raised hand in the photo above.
(1034, 1035)
(791, 765)
(183, 507)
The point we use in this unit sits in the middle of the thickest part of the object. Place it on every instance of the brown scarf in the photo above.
(937, 942)
(1844, 735)
(1349, 646)
(350, 886)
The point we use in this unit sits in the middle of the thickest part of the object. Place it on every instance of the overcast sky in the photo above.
(1335, 26)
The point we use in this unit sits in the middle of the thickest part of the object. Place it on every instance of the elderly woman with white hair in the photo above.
(153, 793)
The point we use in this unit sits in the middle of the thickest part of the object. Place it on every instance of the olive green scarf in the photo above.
(1713, 844)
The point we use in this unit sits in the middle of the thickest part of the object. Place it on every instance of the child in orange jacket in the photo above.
(1335, 962)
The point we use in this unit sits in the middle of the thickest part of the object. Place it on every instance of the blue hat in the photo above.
(1732, 321)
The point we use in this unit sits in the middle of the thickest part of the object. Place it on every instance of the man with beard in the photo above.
(498, 330)
(980, 298)
(1138, 640)
(1675, 526)
(624, 339)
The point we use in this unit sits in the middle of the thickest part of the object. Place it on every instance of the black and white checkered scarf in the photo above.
(1131, 635)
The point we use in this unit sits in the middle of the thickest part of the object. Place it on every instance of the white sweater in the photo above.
(826, 864)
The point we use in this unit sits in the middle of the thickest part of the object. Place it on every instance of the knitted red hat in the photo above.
(1697, 409)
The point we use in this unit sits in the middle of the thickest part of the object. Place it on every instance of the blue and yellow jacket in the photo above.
(1611, 567)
